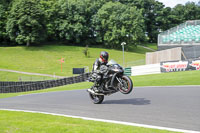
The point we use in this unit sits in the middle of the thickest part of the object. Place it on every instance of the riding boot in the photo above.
(96, 87)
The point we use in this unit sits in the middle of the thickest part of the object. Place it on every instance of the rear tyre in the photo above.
(96, 99)
(127, 85)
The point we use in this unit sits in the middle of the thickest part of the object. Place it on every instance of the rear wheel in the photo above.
(96, 99)
(126, 86)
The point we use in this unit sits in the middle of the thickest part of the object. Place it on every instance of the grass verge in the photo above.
(45, 59)
(11, 76)
(21, 122)
(168, 79)
(151, 45)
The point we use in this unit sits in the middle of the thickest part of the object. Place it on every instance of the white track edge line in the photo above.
(109, 121)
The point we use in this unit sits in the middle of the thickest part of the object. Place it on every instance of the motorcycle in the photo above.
(113, 80)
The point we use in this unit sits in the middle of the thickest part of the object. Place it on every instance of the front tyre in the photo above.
(126, 86)
(96, 99)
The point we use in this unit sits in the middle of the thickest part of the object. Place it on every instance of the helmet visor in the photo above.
(104, 59)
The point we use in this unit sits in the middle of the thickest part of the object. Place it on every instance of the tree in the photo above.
(4, 7)
(75, 21)
(178, 12)
(26, 22)
(72, 21)
(2, 23)
(116, 23)
(181, 13)
(50, 8)
(151, 9)
(192, 11)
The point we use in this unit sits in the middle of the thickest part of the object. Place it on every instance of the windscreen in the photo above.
(112, 62)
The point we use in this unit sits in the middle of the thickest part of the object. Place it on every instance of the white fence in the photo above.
(145, 69)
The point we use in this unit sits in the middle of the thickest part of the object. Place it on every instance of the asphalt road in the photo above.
(173, 107)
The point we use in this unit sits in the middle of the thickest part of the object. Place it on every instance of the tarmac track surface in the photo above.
(173, 107)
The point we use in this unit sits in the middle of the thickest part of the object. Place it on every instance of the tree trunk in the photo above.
(28, 43)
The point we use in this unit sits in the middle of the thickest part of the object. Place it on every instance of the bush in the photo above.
(86, 52)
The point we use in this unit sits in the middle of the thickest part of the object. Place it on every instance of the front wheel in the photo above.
(126, 85)
(96, 99)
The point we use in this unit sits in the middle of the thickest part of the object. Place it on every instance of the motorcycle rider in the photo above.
(102, 60)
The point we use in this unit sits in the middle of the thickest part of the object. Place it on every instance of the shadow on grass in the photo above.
(133, 101)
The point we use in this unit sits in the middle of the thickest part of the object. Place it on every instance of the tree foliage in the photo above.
(107, 22)
(116, 23)
(26, 22)
(73, 20)
(2, 22)
(189, 11)
(4, 4)
(50, 8)
(151, 10)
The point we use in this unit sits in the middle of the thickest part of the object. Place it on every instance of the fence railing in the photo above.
(12, 87)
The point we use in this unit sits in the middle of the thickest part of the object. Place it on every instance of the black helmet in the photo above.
(104, 56)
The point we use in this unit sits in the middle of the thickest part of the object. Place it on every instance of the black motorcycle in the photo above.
(113, 80)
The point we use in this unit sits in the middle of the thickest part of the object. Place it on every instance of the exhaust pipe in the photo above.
(91, 91)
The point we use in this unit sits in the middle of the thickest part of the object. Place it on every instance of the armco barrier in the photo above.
(127, 71)
(145, 69)
(12, 87)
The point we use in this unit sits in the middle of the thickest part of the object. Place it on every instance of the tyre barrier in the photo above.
(22, 86)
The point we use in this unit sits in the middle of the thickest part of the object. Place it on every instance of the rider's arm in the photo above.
(96, 66)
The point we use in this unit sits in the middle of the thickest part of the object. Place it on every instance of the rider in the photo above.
(102, 60)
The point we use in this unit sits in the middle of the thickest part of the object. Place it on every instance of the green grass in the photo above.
(10, 76)
(168, 79)
(21, 122)
(151, 45)
(45, 59)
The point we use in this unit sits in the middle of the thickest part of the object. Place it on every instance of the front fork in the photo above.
(119, 80)
(115, 77)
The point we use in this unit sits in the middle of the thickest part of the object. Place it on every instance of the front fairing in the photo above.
(115, 67)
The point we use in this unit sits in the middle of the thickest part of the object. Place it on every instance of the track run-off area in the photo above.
(172, 107)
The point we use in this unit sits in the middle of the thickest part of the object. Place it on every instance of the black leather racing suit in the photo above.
(96, 72)
(97, 64)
